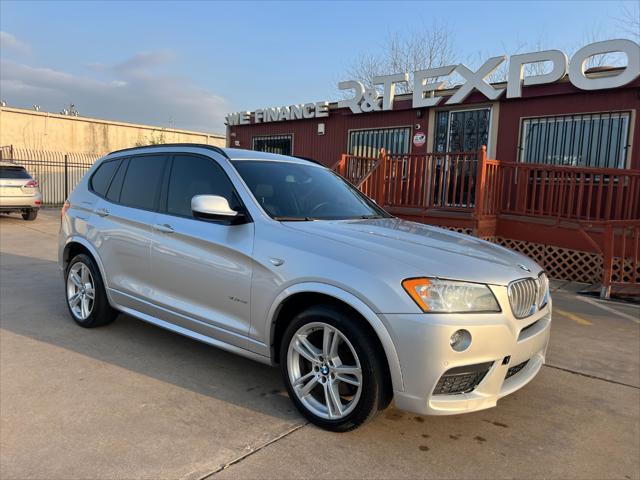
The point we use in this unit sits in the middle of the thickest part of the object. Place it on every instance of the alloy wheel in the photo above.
(324, 370)
(80, 290)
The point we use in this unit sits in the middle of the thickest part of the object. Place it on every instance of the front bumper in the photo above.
(422, 343)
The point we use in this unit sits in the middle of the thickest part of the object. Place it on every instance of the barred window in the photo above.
(367, 143)
(281, 144)
(587, 140)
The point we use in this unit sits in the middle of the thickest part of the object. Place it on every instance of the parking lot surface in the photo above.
(133, 401)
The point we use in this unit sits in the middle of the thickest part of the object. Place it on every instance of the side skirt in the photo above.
(195, 335)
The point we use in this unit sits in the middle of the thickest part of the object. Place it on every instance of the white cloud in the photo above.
(9, 43)
(131, 91)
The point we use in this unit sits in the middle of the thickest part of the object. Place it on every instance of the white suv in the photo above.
(19, 192)
(281, 260)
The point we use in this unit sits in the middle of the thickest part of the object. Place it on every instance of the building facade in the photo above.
(556, 124)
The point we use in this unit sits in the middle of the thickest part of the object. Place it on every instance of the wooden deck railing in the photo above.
(471, 182)
(622, 250)
(432, 181)
(569, 193)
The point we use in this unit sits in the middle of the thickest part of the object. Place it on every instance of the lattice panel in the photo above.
(627, 271)
(466, 231)
(560, 263)
(564, 263)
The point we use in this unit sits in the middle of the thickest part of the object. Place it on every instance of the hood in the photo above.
(426, 250)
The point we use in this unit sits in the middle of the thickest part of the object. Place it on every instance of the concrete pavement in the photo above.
(133, 401)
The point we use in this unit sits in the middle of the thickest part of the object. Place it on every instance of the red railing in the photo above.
(569, 193)
(356, 169)
(619, 245)
(432, 181)
(490, 179)
(473, 183)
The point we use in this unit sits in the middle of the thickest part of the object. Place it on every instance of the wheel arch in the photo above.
(76, 245)
(321, 293)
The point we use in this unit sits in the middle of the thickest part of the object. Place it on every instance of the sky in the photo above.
(187, 64)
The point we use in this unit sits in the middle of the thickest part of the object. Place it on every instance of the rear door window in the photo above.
(14, 173)
(113, 194)
(142, 181)
(102, 176)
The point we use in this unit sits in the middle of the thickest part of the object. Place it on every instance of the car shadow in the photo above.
(33, 305)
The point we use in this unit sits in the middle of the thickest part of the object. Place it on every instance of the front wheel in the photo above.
(332, 369)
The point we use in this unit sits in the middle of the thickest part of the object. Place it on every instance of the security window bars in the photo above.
(281, 144)
(461, 130)
(367, 143)
(597, 140)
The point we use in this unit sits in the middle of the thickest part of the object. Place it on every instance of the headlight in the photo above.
(543, 290)
(434, 295)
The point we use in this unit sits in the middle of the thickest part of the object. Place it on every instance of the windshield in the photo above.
(296, 192)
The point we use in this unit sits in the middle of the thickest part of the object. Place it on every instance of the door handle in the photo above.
(103, 212)
(164, 228)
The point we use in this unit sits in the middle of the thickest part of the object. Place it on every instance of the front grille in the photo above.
(523, 295)
(461, 379)
(515, 369)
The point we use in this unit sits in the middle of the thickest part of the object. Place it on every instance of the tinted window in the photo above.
(113, 194)
(295, 191)
(193, 175)
(100, 180)
(13, 173)
(142, 181)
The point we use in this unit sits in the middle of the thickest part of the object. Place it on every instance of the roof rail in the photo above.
(308, 159)
(198, 145)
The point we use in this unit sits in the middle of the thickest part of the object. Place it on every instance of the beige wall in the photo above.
(47, 131)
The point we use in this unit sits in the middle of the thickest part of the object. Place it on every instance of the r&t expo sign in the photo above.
(371, 100)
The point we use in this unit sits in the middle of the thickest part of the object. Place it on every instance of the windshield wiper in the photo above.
(282, 218)
(369, 217)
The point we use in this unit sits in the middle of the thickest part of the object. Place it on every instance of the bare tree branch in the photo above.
(629, 21)
(427, 48)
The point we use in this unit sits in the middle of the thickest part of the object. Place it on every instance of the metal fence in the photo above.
(56, 172)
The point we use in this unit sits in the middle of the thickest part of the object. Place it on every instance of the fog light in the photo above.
(460, 340)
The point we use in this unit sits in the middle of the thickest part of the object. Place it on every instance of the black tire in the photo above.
(30, 214)
(101, 312)
(376, 390)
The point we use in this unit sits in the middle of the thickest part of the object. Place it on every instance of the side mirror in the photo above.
(214, 207)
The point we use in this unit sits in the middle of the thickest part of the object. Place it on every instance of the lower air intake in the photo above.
(461, 379)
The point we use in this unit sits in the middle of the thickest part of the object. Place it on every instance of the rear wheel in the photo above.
(86, 296)
(30, 214)
(332, 369)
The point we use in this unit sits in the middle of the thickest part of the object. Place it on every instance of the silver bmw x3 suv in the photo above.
(282, 261)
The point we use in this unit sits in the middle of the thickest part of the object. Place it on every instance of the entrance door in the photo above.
(462, 130)
(459, 131)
